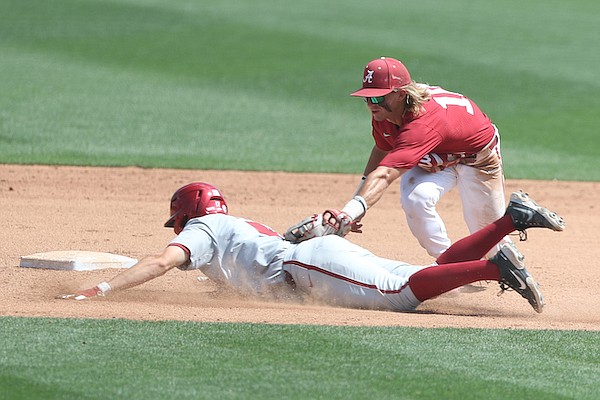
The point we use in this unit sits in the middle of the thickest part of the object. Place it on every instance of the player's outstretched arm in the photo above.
(146, 269)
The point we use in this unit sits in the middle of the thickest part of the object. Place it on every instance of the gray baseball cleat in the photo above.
(514, 275)
(525, 213)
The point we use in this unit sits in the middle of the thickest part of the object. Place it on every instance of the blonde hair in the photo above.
(416, 95)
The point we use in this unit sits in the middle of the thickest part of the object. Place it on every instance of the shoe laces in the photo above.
(503, 288)
(522, 236)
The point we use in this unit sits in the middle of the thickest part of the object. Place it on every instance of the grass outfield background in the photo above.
(263, 85)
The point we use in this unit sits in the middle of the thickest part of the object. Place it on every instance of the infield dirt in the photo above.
(122, 211)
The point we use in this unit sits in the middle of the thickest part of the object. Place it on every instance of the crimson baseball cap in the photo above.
(381, 76)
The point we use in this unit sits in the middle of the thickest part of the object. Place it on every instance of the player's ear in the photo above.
(402, 95)
(406, 98)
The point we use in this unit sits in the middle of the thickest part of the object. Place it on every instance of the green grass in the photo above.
(263, 85)
(67, 358)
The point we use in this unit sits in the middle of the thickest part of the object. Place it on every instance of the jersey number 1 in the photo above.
(452, 101)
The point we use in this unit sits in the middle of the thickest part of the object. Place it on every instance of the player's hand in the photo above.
(356, 226)
(99, 290)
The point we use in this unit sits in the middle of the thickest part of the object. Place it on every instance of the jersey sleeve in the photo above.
(199, 243)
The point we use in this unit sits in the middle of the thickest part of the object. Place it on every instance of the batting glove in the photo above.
(100, 290)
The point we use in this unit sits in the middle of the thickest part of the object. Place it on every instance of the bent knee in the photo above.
(423, 196)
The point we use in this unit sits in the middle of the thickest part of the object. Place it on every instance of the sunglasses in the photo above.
(374, 100)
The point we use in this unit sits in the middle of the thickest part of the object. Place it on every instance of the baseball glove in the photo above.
(330, 222)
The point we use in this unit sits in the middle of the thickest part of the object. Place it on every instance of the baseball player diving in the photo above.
(434, 140)
(317, 263)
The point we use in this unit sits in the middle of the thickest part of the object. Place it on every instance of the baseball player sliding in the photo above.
(252, 258)
(435, 140)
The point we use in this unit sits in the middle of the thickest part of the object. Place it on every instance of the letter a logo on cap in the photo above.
(381, 76)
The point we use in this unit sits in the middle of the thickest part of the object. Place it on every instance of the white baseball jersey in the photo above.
(252, 258)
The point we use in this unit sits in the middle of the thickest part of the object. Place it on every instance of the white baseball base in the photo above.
(75, 260)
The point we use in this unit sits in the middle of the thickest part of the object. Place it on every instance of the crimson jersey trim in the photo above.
(182, 247)
(341, 277)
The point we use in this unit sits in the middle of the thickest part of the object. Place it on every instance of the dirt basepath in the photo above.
(121, 210)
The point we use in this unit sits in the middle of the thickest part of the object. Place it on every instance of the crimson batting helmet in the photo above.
(194, 200)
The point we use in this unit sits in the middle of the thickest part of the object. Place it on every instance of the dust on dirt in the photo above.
(122, 211)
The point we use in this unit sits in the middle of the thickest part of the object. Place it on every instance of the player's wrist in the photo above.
(104, 287)
(355, 208)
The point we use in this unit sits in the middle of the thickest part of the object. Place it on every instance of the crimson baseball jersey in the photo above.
(450, 124)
